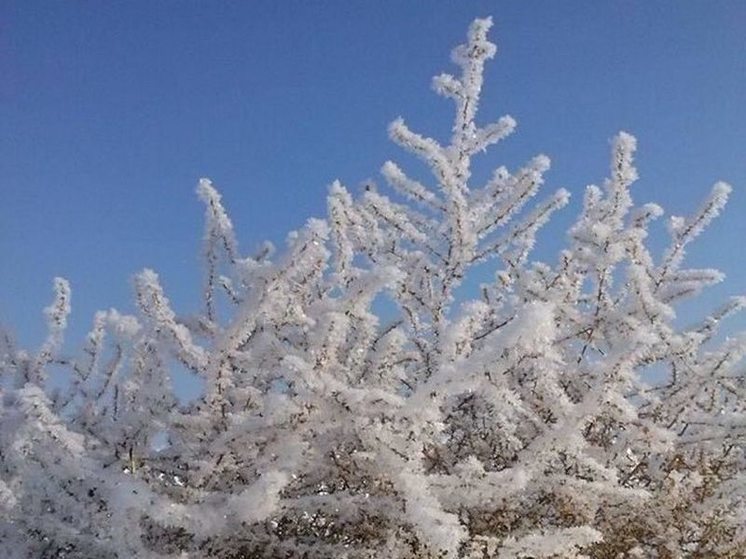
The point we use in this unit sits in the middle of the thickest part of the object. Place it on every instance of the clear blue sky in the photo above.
(111, 111)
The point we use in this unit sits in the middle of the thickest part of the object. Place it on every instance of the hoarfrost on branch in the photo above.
(518, 424)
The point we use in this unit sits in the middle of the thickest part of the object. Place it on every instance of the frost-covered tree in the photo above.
(560, 413)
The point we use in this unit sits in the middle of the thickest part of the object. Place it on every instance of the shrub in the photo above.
(522, 423)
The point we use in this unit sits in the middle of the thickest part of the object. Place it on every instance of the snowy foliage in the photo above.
(561, 413)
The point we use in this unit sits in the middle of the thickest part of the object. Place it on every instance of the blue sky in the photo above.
(111, 111)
